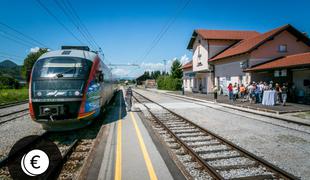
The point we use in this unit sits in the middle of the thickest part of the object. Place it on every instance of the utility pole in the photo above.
(165, 63)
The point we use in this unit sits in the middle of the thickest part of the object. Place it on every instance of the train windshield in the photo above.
(60, 77)
(62, 67)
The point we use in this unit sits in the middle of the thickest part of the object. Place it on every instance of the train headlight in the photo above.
(77, 93)
(39, 93)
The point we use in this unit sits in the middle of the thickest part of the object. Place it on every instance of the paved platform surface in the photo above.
(128, 151)
(279, 109)
(301, 117)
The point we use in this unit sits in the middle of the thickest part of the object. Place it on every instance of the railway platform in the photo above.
(127, 151)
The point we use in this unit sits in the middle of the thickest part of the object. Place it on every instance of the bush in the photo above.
(8, 83)
(169, 83)
(13, 95)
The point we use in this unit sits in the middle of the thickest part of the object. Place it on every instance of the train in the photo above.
(69, 88)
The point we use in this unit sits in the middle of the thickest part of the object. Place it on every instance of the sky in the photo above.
(126, 30)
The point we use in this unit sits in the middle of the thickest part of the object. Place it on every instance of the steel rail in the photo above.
(11, 113)
(272, 168)
(2, 106)
(11, 119)
(210, 170)
(51, 175)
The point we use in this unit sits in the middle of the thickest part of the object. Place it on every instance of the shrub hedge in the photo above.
(169, 83)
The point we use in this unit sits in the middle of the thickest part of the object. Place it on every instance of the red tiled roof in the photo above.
(188, 65)
(247, 45)
(225, 34)
(221, 35)
(287, 61)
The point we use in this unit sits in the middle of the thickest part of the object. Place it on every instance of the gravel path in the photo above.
(13, 131)
(284, 144)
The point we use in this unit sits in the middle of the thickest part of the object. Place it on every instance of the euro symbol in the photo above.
(33, 162)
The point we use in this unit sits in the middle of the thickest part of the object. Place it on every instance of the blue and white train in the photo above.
(69, 88)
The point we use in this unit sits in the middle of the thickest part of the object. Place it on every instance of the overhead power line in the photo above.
(11, 36)
(164, 30)
(65, 2)
(59, 22)
(74, 22)
(31, 39)
(9, 55)
(161, 33)
(20, 42)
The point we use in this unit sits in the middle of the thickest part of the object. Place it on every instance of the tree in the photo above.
(156, 74)
(176, 71)
(30, 60)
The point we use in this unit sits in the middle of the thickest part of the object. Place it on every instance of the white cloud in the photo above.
(120, 72)
(184, 59)
(34, 49)
(160, 66)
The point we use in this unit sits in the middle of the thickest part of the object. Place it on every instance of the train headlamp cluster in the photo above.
(39, 93)
(77, 93)
(62, 93)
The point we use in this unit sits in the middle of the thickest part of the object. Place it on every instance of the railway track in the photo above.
(66, 150)
(219, 157)
(13, 115)
(13, 104)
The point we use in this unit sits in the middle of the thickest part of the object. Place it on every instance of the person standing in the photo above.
(129, 98)
(242, 91)
(278, 91)
(230, 91)
(235, 93)
(215, 90)
(284, 94)
(251, 92)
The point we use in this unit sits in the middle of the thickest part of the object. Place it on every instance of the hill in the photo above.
(8, 64)
(11, 69)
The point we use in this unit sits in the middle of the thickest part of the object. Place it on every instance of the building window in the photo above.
(280, 73)
(283, 48)
(199, 63)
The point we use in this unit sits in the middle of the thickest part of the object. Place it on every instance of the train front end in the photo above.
(60, 88)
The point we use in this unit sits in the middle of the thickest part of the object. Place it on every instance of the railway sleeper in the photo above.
(200, 145)
(189, 134)
(236, 166)
(221, 157)
(258, 177)
(213, 151)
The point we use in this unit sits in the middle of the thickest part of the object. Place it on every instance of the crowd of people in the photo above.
(254, 92)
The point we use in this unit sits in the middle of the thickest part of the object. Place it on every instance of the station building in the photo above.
(206, 44)
(223, 57)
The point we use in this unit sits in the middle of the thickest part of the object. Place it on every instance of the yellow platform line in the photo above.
(144, 150)
(118, 163)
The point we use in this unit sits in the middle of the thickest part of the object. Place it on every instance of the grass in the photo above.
(13, 95)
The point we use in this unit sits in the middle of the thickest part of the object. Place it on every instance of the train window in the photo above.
(62, 67)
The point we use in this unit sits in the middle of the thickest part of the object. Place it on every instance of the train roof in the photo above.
(70, 53)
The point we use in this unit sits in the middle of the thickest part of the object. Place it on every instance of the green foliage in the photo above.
(30, 60)
(169, 83)
(8, 83)
(173, 81)
(13, 95)
(176, 71)
(10, 69)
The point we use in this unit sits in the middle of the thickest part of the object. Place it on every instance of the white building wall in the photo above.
(200, 54)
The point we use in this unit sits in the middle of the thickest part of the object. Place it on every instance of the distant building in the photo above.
(206, 44)
(223, 57)
(188, 77)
